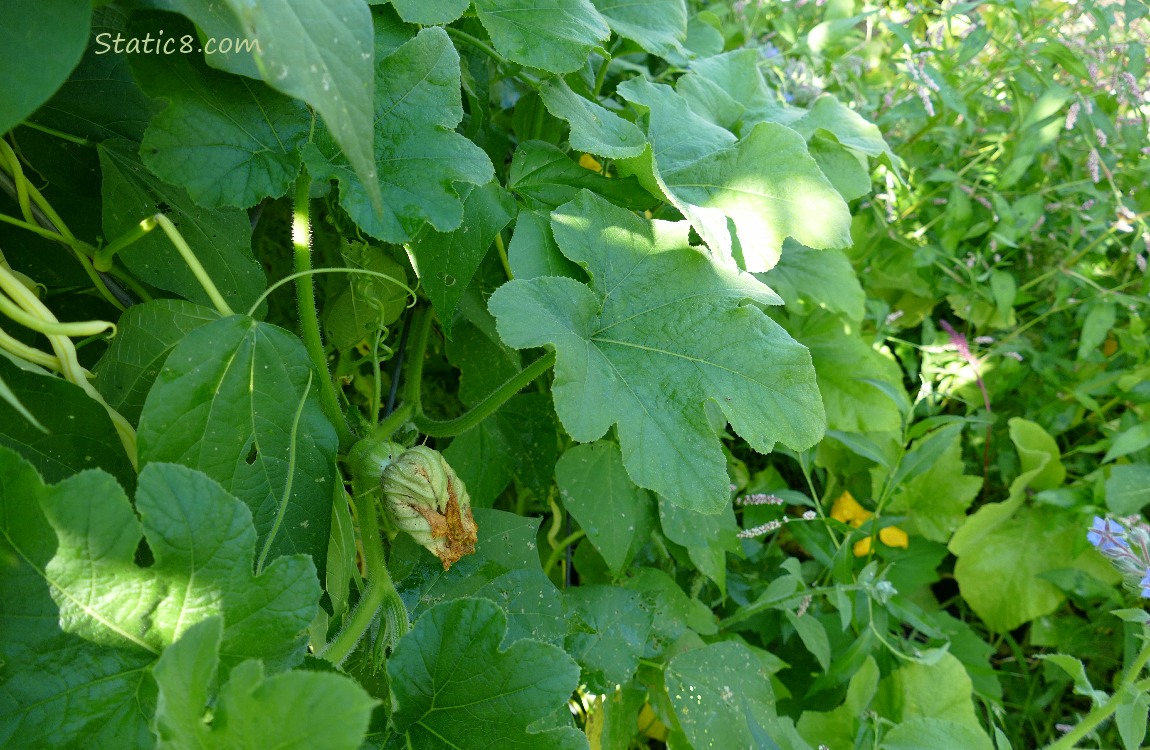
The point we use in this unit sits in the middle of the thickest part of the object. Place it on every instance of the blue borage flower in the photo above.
(1127, 548)
(1107, 534)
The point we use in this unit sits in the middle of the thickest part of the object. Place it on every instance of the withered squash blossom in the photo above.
(426, 498)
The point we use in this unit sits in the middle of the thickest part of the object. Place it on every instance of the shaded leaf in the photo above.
(74, 432)
(453, 687)
(545, 177)
(227, 140)
(148, 333)
(43, 40)
(418, 153)
(596, 490)
(291, 710)
(83, 624)
(446, 262)
(594, 128)
(220, 237)
(237, 400)
(608, 629)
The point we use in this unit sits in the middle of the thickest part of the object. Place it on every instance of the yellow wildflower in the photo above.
(847, 510)
(587, 161)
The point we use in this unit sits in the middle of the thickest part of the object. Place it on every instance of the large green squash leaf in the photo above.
(229, 141)
(661, 329)
(557, 36)
(237, 400)
(453, 686)
(418, 153)
(320, 53)
(82, 623)
(766, 182)
(40, 42)
(293, 711)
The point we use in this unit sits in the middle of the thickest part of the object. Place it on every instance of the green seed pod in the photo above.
(424, 497)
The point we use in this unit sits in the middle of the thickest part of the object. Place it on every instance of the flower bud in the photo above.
(424, 497)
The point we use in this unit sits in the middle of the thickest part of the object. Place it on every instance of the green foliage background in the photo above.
(786, 351)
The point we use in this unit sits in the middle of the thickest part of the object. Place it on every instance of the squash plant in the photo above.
(461, 373)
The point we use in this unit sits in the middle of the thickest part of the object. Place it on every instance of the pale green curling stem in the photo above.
(79, 329)
(69, 364)
(193, 263)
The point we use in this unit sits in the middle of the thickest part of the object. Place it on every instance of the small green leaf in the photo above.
(594, 128)
(658, 26)
(937, 497)
(68, 431)
(814, 637)
(83, 624)
(596, 490)
(1131, 718)
(238, 400)
(707, 537)
(220, 238)
(453, 687)
(368, 304)
(418, 153)
(1129, 441)
(661, 320)
(557, 37)
(446, 262)
(723, 698)
(1128, 489)
(35, 66)
(674, 612)
(148, 333)
(227, 140)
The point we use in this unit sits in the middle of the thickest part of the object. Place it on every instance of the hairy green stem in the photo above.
(380, 590)
(1107, 709)
(489, 405)
(308, 314)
